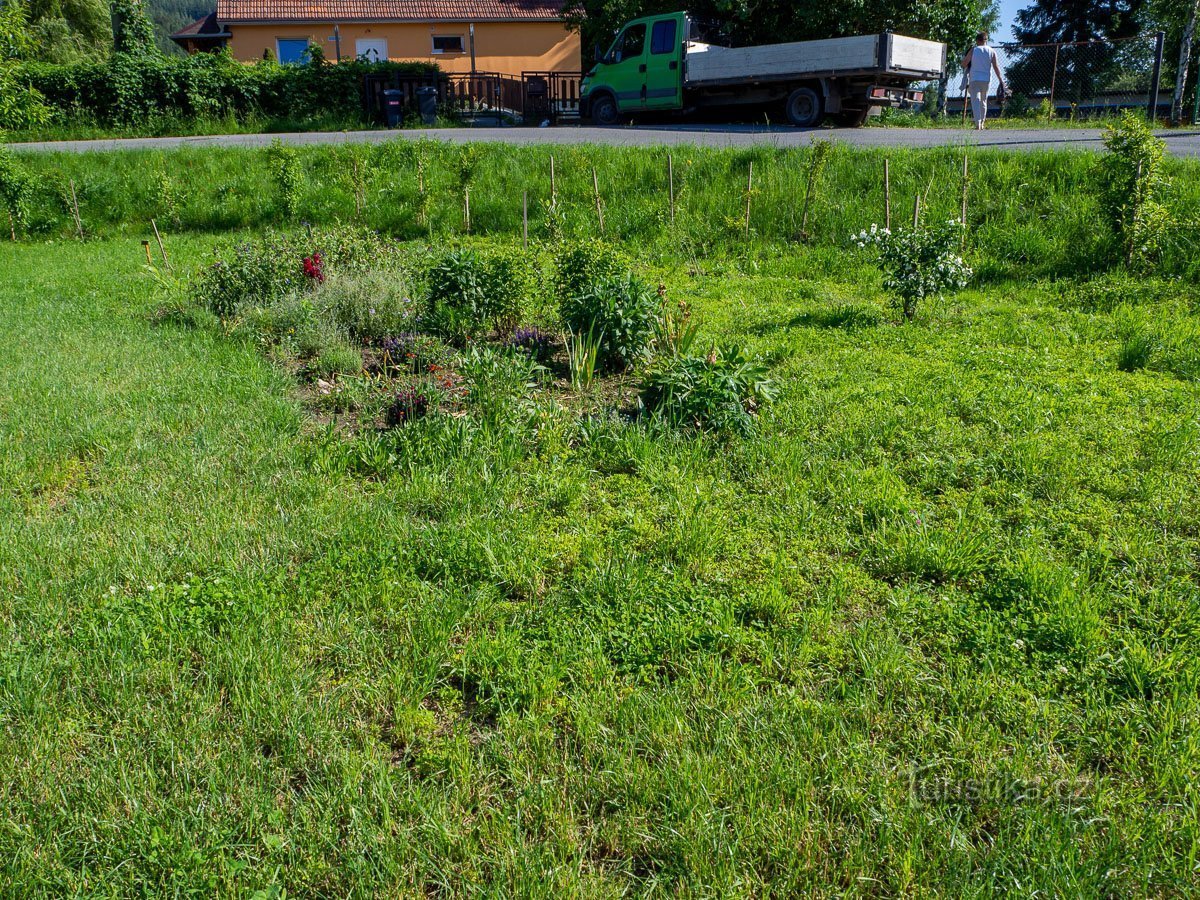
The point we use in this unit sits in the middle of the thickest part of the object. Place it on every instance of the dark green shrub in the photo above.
(129, 89)
(1132, 183)
(16, 189)
(468, 292)
(579, 269)
(621, 312)
(718, 392)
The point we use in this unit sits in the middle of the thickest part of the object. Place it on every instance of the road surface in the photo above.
(1184, 143)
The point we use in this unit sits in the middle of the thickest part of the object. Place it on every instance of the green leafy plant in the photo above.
(498, 382)
(368, 306)
(469, 291)
(289, 176)
(623, 312)
(16, 191)
(1132, 182)
(919, 262)
(719, 392)
(336, 359)
(580, 268)
(583, 350)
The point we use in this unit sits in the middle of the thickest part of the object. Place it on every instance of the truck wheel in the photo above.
(852, 118)
(803, 108)
(605, 112)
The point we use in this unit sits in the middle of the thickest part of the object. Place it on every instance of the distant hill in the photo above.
(171, 15)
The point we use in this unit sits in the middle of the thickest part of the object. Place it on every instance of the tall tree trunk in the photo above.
(1185, 55)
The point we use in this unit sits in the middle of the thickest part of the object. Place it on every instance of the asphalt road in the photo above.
(1184, 143)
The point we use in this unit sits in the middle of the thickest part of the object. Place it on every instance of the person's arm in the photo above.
(966, 63)
(996, 66)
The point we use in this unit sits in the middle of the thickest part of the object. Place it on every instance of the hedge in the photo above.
(131, 89)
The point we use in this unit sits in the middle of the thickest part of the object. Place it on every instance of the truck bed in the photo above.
(884, 54)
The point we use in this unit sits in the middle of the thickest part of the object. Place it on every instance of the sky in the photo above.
(1008, 15)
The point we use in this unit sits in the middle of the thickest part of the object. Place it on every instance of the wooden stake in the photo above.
(525, 218)
(146, 247)
(887, 195)
(917, 210)
(963, 220)
(749, 195)
(12, 228)
(75, 211)
(467, 208)
(599, 206)
(671, 184)
(161, 248)
(553, 187)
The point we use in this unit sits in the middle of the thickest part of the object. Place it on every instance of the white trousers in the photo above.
(978, 92)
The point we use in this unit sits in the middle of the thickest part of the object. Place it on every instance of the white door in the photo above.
(374, 49)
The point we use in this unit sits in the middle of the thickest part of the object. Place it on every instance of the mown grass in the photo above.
(932, 628)
(1032, 215)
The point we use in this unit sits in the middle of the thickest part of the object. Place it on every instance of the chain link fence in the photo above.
(1080, 80)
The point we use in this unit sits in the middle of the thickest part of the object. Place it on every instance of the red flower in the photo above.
(314, 267)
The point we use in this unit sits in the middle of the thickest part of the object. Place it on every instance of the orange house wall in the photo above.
(506, 47)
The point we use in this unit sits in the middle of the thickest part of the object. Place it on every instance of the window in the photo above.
(448, 43)
(291, 51)
(662, 38)
(632, 43)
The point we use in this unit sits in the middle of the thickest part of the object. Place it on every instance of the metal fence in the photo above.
(533, 98)
(1084, 79)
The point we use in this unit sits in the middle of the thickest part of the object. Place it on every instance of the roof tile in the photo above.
(387, 10)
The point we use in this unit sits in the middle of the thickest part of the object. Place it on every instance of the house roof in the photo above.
(388, 10)
(202, 29)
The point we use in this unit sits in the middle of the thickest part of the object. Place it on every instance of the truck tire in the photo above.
(604, 111)
(803, 108)
(852, 118)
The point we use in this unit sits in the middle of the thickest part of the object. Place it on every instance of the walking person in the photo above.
(979, 63)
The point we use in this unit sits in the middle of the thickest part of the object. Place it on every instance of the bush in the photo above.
(718, 392)
(469, 291)
(1132, 183)
(132, 89)
(621, 313)
(580, 269)
(368, 307)
(919, 262)
(264, 271)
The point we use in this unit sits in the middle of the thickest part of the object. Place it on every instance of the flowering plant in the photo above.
(918, 262)
(314, 267)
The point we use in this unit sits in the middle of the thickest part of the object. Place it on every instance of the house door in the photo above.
(371, 49)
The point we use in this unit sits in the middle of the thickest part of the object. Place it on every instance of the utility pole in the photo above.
(1156, 79)
(472, 48)
(1185, 57)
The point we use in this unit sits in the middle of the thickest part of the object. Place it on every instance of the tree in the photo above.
(132, 31)
(1075, 72)
(771, 21)
(64, 30)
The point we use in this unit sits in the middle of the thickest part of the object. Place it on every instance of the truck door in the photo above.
(626, 69)
(664, 78)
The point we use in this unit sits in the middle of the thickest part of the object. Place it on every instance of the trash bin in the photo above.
(427, 101)
(393, 107)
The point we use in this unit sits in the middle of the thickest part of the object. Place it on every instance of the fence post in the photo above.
(1054, 78)
(1156, 78)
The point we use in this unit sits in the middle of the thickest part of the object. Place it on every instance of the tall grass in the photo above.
(1032, 214)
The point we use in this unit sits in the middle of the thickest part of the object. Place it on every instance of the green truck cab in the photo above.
(661, 63)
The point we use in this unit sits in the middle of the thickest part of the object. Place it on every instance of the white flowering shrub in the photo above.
(917, 262)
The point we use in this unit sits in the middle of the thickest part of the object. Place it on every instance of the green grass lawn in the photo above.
(933, 627)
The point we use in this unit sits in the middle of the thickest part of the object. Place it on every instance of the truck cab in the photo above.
(641, 71)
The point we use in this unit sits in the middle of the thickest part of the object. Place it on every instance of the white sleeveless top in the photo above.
(981, 63)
